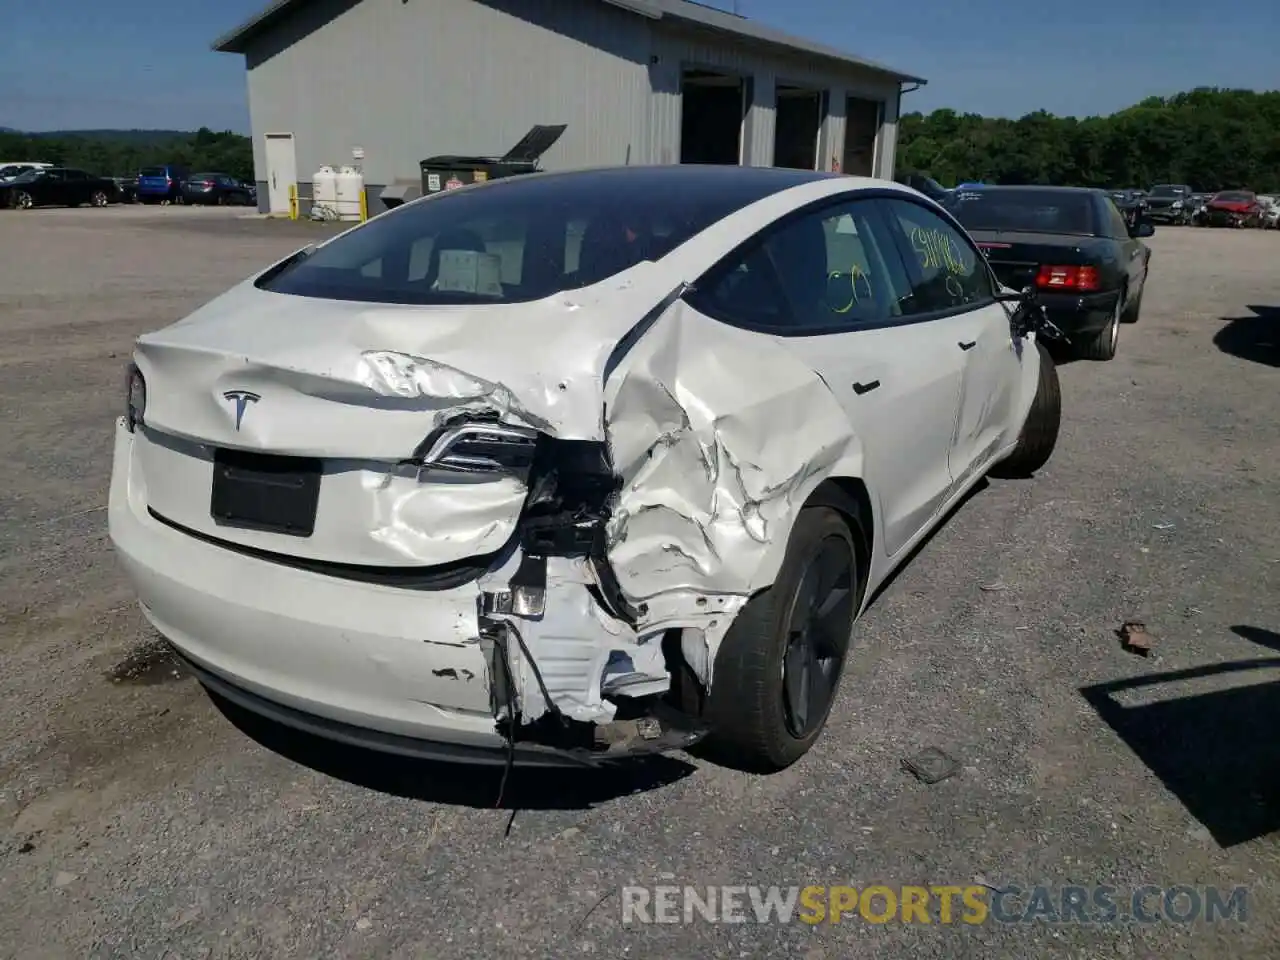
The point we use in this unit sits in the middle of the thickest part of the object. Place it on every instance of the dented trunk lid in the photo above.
(320, 403)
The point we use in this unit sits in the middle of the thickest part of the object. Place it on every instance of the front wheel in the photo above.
(99, 199)
(779, 666)
(23, 200)
(1039, 434)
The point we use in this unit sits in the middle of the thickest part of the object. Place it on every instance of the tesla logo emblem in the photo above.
(241, 399)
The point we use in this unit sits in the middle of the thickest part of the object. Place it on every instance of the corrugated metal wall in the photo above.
(409, 80)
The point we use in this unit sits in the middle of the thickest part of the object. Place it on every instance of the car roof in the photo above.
(765, 179)
(993, 188)
(731, 187)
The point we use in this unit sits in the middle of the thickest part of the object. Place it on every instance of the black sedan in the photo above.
(58, 187)
(1074, 246)
(216, 188)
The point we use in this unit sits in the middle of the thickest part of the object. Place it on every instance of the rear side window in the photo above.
(947, 271)
(834, 269)
(1117, 227)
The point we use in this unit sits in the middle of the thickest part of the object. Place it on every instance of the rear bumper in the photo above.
(1075, 314)
(398, 670)
(1166, 214)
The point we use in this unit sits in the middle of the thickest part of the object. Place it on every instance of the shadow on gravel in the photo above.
(458, 784)
(1217, 752)
(976, 489)
(1255, 338)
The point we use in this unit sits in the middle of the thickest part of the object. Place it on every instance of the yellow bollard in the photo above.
(293, 201)
(364, 206)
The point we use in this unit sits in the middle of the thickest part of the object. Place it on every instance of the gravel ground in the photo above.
(142, 823)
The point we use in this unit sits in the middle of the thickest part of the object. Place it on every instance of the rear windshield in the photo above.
(1168, 190)
(1025, 211)
(1234, 196)
(514, 240)
(152, 172)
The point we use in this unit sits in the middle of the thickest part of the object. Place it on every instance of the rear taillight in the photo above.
(1067, 278)
(481, 448)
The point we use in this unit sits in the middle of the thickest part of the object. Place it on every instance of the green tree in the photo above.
(1210, 138)
(122, 153)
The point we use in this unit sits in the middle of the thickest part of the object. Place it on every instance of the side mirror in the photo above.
(1143, 229)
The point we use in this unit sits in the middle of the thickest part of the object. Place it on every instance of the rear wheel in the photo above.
(1039, 434)
(778, 669)
(23, 200)
(1133, 309)
(1103, 345)
(99, 199)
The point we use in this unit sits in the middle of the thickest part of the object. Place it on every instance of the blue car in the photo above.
(161, 184)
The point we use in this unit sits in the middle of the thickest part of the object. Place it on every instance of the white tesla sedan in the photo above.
(571, 466)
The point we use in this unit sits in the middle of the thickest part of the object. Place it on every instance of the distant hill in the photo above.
(117, 136)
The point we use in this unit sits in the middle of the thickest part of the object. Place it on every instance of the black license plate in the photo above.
(262, 491)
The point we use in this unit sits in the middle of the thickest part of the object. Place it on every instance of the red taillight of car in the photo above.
(1081, 279)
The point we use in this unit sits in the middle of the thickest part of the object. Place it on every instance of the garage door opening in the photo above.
(862, 120)
(713, 106)
(796, 126)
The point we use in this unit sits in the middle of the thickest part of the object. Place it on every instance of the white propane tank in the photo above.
(350, 186)
(324, 194)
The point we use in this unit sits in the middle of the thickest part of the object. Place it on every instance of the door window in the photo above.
(837, 268)
(77, 175)
(947, 271)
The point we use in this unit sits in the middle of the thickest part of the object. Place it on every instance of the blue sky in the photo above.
(130, 63)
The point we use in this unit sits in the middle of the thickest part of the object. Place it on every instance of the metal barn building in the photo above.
(384, 84)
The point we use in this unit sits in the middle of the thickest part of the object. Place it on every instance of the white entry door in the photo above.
(282, 170)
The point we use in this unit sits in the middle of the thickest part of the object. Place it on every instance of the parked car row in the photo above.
(170, 183)
(27, 184)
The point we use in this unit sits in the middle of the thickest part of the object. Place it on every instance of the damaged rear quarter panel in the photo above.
(719, 436)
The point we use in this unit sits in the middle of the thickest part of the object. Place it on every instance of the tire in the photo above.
(1103, 345)
(1039, 434)
(755, 724)
(1134, 309)
(23, 200)
(99, 199)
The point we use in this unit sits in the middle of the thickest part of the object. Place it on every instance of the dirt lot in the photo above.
(140, 822)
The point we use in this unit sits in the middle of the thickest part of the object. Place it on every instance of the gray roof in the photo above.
(684, 11)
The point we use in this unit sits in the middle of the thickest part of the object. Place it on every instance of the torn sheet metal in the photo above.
(337, 378)
(580, 651)
(719, 436)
